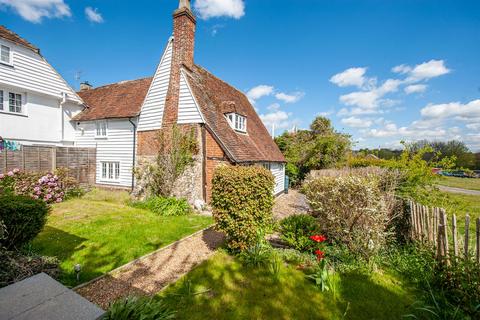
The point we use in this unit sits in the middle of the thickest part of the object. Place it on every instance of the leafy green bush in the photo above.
(297, 229)
(450, 291)
(352, 211)
(167, 207)
(242, 201)
(23, 217)
(139, 308)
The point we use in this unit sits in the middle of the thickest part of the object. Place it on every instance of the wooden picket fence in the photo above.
(431, 226)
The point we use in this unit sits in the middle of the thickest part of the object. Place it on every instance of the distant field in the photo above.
(464, 183)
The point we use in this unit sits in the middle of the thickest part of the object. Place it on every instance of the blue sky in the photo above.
(382, 70)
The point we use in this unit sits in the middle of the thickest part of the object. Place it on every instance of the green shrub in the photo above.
(167, 207)
(352, 211)
(23, 217)
(297, 229)
(139, 308)
(242, 200)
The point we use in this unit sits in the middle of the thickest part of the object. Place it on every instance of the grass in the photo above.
(463, 183)
(100, 232)
(222, 288)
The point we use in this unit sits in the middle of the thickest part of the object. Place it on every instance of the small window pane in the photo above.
(5, 54)
(1, 99)
(104, 170)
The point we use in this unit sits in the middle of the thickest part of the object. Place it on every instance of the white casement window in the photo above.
(237, 122)
(14, 102)
(111, 171)
(5, 54)
(101, 129)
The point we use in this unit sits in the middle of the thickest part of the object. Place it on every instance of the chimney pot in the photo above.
(84, 86)
(184, 4)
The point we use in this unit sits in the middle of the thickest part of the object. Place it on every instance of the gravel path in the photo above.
(289, 204)
(149, 274)
(459, 190)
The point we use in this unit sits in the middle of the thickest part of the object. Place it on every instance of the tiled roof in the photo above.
(119, 100)
(215, 98)
(15, 38)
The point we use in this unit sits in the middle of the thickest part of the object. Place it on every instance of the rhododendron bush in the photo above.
(352, 211)
(49, 187)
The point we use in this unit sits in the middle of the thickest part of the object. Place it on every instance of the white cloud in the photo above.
(273, 107)
(402, 69)
(350, 77)
(35, 10)
(259, 92)
(355, 122)
(93, 15)
(279, 118)
(290, 98)
(473, 126)
(326, 113)
(415, 88)
(423, 71)
(220, 8)
(457, 110)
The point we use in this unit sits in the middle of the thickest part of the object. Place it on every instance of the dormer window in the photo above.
(5, 54)
(237, 122)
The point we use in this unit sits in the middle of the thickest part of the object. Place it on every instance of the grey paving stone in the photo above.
(41, 297)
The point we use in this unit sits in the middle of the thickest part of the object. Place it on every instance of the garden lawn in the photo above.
(222, 288)
(463, 183)
(101, 232)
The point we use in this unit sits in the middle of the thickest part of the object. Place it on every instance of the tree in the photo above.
(318, 148)
(443, 149)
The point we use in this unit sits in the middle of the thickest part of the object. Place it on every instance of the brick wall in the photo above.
(214, 157)
(147, 143)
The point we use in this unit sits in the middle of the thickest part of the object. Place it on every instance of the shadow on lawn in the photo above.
(148, 275)
(216, 290)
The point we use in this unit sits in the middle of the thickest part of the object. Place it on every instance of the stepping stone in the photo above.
(41, 297)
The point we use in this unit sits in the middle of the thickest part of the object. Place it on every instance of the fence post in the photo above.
(478, 240)
(445, 234)
(440, 243)
(467, 236)
(454, 235)
(435, 226)
(54, 158)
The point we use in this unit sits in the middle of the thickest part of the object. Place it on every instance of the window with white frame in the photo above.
(14, 102)
(101, 129)
(5, 54)
(237, 122)
(111, 171)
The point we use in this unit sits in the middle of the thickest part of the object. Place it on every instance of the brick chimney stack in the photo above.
(184, 23)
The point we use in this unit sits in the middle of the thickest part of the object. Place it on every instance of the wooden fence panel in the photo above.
(81, 162)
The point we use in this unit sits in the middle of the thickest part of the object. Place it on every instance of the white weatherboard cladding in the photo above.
(188, 111)
(31, 72)
(116, 147)
(43, 120)
(278, 171)
(152, 110)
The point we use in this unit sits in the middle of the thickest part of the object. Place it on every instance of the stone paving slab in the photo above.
(41, 297)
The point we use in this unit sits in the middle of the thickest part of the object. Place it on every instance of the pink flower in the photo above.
(48, 196)
(10, 173)
(2, 176)
(36, 189)
(59, 200)
(16, 170)
(35, 197)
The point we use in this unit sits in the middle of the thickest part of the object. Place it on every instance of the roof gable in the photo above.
(15, 38)
(215, 98)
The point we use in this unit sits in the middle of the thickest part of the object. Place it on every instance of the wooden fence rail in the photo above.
(81, 162)
(431, 226)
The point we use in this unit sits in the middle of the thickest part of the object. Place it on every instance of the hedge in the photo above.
(23, 218)
(242, 201)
